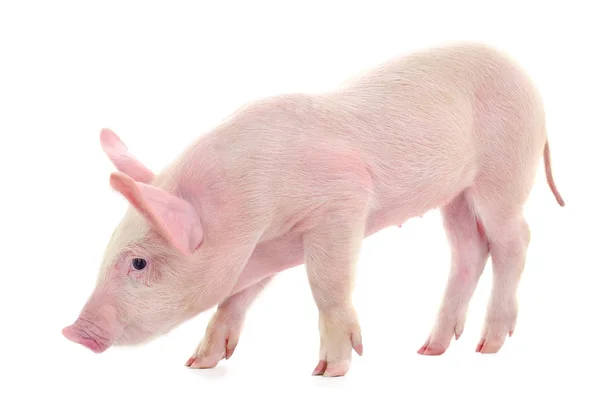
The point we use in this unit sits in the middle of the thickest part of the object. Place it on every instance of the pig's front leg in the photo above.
(224, 329)
(331, 251)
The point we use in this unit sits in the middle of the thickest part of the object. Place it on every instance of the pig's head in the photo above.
(147, 283)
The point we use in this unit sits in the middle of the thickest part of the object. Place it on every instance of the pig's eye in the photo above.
(138, 264)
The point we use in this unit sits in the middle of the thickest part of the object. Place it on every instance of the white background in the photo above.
(160, 74)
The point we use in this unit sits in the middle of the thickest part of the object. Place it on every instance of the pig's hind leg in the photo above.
(469, 254)
(509, 237)
(225, 327)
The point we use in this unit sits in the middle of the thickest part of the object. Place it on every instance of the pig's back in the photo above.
(425, 121)
(419, 125)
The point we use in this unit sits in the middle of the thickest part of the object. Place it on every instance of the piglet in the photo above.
(303, 179)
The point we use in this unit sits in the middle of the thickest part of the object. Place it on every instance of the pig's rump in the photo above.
(433, 125)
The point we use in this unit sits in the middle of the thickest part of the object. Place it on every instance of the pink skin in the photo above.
(303, 179)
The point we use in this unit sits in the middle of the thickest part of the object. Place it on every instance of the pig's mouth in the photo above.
(88, 334)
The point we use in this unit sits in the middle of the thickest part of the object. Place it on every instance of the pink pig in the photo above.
(303, 179)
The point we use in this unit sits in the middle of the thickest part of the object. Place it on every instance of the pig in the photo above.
(302, 179)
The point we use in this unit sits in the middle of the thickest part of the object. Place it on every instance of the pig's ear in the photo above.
(124, 161)
(173, 217)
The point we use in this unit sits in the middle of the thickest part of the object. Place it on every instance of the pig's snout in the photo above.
(89, 334)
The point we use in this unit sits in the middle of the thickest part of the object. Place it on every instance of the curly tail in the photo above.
(549, 177)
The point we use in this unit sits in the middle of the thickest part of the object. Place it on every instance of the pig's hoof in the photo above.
(432, 348)
(203, 362)
(326, 369)
(497, 328)
(340, 334)
(441, 337)
(491, 343)
(492, 346)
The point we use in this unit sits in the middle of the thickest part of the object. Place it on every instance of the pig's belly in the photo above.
(285, 252)
(395, 205)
